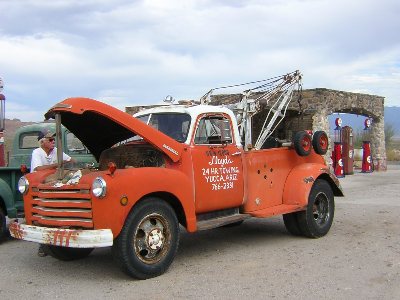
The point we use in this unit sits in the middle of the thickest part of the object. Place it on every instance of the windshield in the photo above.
(175, 125)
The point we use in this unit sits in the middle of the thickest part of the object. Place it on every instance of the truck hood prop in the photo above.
(100, 126)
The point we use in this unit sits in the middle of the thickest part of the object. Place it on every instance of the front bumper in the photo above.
(73, 238)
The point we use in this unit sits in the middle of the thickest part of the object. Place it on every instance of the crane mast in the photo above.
(275, 93)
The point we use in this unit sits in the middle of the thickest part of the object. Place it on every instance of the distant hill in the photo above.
(392, 116)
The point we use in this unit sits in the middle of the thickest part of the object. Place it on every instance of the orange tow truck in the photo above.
(189, 164)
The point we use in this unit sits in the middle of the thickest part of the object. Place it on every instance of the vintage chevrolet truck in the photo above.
(190, 165)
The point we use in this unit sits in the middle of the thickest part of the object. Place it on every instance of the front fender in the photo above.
(135, 184)
(301, 179)
(7, 197)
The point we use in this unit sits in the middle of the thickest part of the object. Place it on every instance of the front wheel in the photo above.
(149, 240)
(66, 253)
(317, 219)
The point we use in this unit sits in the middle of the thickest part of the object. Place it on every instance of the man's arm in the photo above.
(51, 166)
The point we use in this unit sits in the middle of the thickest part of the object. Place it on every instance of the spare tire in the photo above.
(302, 143)
(320, 142)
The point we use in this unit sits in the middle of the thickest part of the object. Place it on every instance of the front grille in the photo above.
(66, 207)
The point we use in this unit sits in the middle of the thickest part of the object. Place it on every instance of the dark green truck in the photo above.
(25, 141)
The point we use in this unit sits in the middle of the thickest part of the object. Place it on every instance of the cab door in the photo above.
(217, 164)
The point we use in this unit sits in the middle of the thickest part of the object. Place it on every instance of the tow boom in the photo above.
(277, 90)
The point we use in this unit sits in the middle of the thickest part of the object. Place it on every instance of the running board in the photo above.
(276, 210)
(221, 221)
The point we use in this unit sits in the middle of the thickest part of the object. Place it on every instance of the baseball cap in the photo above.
(45, 134)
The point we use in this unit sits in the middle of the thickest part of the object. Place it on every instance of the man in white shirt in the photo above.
(45, 157)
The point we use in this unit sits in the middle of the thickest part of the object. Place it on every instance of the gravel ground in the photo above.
(358, 259)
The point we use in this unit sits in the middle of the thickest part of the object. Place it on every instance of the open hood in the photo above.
(100, 126)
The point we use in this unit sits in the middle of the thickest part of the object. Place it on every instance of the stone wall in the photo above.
(325, 102)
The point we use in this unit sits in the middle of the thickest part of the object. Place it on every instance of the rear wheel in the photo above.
(302, 143)
(291, 223)
(65, 253)
(148, 242)
(317, 219)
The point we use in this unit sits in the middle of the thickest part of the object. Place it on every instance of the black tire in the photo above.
(3, 227)
(65, 253)
(320, 142)
(302, 143)
(291, 223)
(317, 219)
(149, 240)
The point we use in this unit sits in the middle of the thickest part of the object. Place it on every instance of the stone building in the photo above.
(324, 102)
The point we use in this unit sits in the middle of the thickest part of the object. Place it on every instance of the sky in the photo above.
(127, 52)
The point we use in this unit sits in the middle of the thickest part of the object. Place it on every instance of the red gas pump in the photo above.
(348, 150)
(367, 160)
(337, 149)
(2, 124)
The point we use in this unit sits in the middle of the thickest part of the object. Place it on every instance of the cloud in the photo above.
(137, 52)
(16, 111)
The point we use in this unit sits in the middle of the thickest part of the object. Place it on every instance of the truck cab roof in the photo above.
(194, 111)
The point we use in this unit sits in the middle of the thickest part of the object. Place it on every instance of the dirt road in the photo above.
(358, 259)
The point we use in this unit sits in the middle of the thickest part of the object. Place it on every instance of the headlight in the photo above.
(99, 187)
(23, 185)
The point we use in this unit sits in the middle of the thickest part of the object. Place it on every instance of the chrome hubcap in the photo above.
(155, 239)
(152, 239)
(321, 209)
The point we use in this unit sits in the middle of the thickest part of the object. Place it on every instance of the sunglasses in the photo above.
(50, 139)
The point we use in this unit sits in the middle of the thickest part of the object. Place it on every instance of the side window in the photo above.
(29, 140)
(74, 145)
(213, 130)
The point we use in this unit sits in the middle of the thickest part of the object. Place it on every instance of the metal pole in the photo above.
(60, 163)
